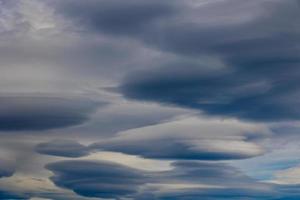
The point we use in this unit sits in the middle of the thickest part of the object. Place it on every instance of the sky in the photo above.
(149, 100)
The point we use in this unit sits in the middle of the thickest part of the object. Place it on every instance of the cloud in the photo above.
(218, 194)
(190, 138)
(123, 115)
(7, 168)
(186, 179)
(226, 182)
(227, 59)
(259, 80)
(4, 195)
(210, 173)
(287, 176)
(116, 16)
(229, 182)
(64, 148)
(30, 113)
(96, 179)
(249, 39)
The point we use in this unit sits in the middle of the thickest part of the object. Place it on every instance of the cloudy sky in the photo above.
(150, 99)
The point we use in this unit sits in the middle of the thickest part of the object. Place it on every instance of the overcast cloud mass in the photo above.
(149, 99)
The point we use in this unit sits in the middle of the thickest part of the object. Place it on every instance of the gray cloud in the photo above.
(40, 113)
(191, 138)
(229, 58)
(218, 194)
(249, 39)
(116, 17)
(186, 149)
(7, 168)
(64, 148)
(260, 66)
(123, 115)
(5, 195)
(195, 139)
(96, 179)
(109, 180)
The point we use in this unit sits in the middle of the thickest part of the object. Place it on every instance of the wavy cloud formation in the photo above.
(21, 113)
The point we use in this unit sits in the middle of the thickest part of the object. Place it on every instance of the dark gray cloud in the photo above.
(228, 58)
(291, 191)
(206, 172)
(259, 80)
(219, 194)
(192, 139)
(109, 180)
(6, 195)
(256, 41)
(241, 94)
(19, 113)
(233, 184)
(96, 179)
(172, 148)
(7, 168)
(116, 16)
(123, 115)
(236, 184)
(64, 148)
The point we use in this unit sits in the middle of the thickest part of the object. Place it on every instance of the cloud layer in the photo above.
(187, 180)
(195, 139)
(259, 77)
(65, 148)
(7, 168)
(19, 113)
(149, 100)
(96, 179)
